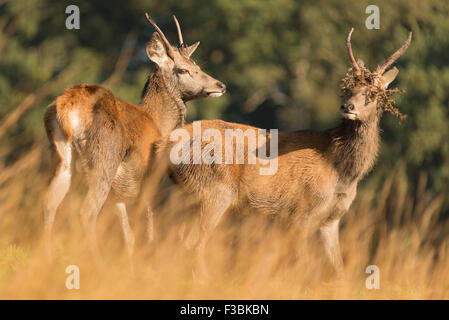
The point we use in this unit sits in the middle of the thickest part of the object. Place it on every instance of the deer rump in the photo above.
(104, 142)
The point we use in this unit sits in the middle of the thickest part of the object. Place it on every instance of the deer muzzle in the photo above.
(348, 111)
(220, 89)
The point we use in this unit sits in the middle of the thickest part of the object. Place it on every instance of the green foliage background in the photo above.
(281, 60)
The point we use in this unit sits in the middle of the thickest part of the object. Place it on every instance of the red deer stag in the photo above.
(318, 171)
(111, 140)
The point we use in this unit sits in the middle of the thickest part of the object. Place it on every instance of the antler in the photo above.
(158, 31)
(381, 69)
(351, 56)
(181, 41)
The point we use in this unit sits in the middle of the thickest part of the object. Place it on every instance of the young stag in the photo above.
(111, 140)
(318, 171)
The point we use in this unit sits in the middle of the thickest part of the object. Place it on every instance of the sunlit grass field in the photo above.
(249, 256)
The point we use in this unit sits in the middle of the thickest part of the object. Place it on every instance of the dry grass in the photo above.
(398, 231)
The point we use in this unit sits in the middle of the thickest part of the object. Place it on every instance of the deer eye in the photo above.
(182, 71)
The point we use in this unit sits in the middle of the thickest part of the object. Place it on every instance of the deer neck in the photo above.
(163, 103)
(353, 149)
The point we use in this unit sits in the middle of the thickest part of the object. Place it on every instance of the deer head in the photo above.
(178, 70)
(365, 92)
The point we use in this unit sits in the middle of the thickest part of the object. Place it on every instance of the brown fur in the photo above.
(309, 163)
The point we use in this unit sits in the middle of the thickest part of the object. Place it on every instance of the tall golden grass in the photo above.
(248, 257)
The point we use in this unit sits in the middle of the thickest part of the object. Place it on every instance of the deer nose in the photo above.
(221, 85)
(347, 107)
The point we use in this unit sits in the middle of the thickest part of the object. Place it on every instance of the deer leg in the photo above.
(300, 234)
(329, 230)
(211, 213)
(128, 233)
(94, 201)
(329, 236)
(147, 185)
(103, 155)
(58, 188)
(188, 233)
(150, 223)
(182, 231)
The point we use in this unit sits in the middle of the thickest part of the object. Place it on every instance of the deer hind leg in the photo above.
(212, 210)
(105, 162)
(96, 196)
(103, 153)
(60, 182)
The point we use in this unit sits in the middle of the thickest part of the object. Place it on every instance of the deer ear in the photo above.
(190, 49)
(156, 50)
(389, 76)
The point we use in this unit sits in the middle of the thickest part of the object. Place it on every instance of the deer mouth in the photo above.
(349, 115)
(214, 94)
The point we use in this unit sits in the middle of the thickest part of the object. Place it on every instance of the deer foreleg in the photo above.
(329, 236)
(212, 211)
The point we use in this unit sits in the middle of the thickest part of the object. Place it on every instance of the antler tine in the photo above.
(181, 41)
(395, 56)
(158, 31)
(351, 56)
